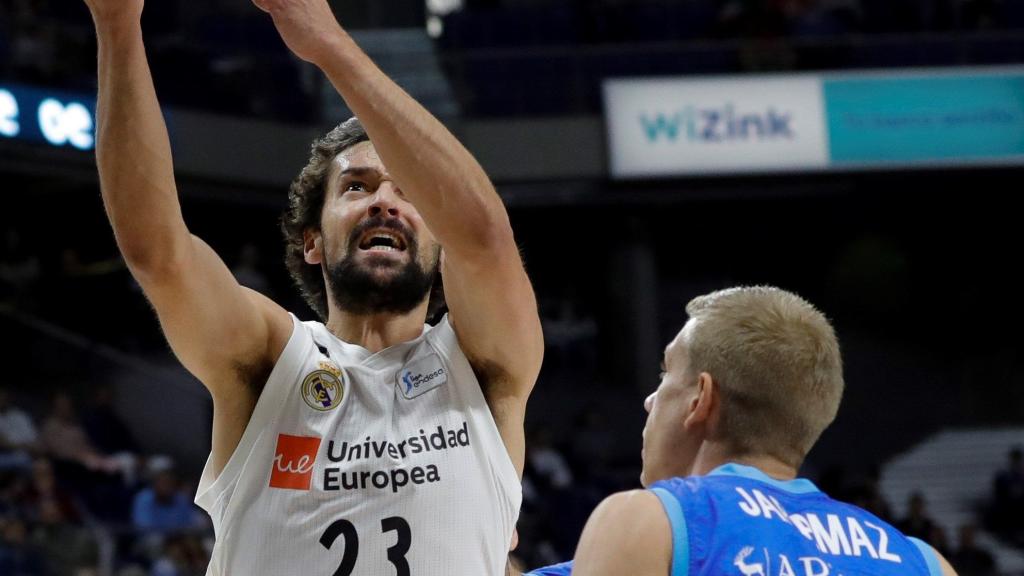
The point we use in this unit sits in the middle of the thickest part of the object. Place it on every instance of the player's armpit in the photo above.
(628, 533)
(493, 311)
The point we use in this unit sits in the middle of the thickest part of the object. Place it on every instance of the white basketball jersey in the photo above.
(366, 464)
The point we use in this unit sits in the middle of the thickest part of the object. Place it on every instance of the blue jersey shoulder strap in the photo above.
(680, 538)
(931, 558)
(736, 520)
(563, 569)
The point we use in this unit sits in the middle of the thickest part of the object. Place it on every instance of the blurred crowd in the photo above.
(80, 497)
(610, 21)
(225, 56)
(78, 492)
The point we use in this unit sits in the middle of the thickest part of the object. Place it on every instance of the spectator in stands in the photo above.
(101, 480)
(867, 494)
(12, 489)
(917, 523)
(18, 556)
(18, 436)
(971, 559)
(66, 440)
(43, 488)
(164, 507)
(107, 432)
(183, 555)
(1008, 503)
(547, 463)
(68, 549)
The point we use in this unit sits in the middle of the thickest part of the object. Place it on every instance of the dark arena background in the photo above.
(866, 154)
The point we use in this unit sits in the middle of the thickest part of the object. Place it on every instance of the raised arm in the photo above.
(492, 305)
(219, 330)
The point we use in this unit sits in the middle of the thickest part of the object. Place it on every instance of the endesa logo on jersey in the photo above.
(422, 375)
(293, 462)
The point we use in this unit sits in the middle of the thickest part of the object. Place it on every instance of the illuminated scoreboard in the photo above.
(45, 116)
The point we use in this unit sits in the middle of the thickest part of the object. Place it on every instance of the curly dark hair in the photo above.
(305, 208)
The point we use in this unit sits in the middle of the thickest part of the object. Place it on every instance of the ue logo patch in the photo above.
(324, 389)
(293, 462)
(421, 376)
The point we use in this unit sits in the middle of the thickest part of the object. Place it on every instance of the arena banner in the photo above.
(813, 122)
(46, 116)
(664, 127)
(913, 119)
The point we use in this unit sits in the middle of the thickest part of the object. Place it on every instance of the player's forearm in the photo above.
(133, 152)
(435, 171)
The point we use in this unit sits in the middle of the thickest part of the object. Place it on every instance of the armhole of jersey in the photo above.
(680, 536)
(931, 558)
(288, 363)
(446, 342)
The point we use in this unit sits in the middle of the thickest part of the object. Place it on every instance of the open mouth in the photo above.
(382, 240)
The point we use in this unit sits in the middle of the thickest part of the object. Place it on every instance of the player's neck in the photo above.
(713, 455)
(375, 332)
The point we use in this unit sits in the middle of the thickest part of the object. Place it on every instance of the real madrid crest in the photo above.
(324, 389)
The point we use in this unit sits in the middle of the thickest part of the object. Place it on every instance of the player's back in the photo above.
(736, 520)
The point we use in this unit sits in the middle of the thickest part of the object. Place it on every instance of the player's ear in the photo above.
(704, 402)
(313, 246)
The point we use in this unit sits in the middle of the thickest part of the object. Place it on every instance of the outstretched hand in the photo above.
(308, 27)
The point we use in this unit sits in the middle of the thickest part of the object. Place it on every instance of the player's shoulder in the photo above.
(640, 513)
(628, 532)
(936, 562)
(629, 504)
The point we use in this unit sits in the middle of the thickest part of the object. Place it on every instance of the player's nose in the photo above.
(649, 402)
(386, 200)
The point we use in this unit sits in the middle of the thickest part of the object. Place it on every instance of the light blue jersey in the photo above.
(738, 521)
(563, 569)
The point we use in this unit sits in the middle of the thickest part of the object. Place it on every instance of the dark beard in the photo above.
(357, 290)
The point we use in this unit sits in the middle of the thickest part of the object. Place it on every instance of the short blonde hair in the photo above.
(776, 361)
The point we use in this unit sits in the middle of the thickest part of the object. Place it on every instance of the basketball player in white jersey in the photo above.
(370, 444)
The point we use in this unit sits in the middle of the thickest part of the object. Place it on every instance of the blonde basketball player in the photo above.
(370, 443)
(748, 385)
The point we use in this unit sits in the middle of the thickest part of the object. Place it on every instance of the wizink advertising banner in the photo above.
(46, 116)
(668, 127)
(671, 127)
